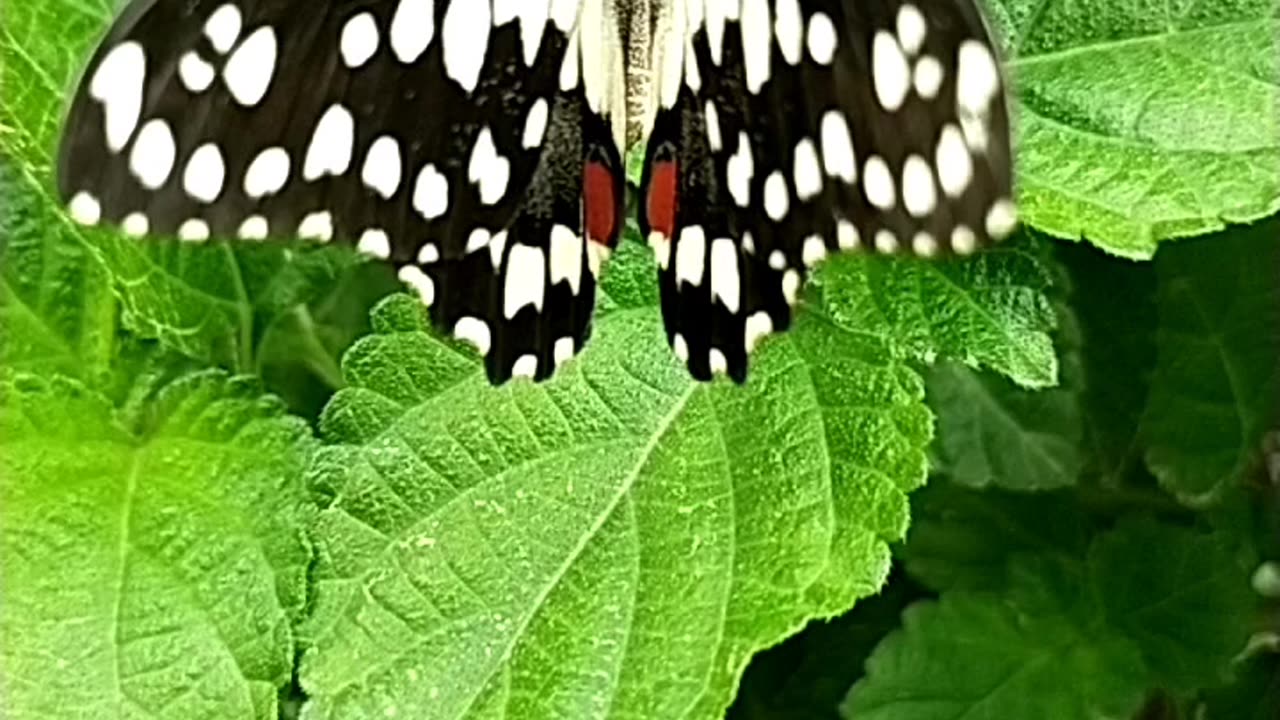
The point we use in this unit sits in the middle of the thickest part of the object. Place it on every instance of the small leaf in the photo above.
(1217, 376)
(1140, 122)
(1181, 596)
(154, 573)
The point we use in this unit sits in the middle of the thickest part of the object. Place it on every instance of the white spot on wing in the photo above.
(487, 169)
(413, 276)
(316, 226)
(359, 39)
(776, 200)
(205, 173)
(564, 350)
(412, 27)
(465, 35)
(526, 279)
(431, 193)
(889, 71)
(740, 170)
(331, 145)
(1002, 218)
(375, 244)
(822, 38)
(911, 28)
(758, 326)
(153, 155)
(808, 175)
(117, 84)
(877, 183)
(691, 256)
(955, 167)
(268, 173)
(194, 230)
(223, 27)
(789, 27)
(757, 43)
(526, 366)
(254, 227)
(815, 249)
(726, 283)
(918, 194)
(566, 257)
(927, 77)
(196, 74)
(837, 147)
(85, 209)
(249, 70)
(535, 125)
(383, 166)
(474, 331)
(136, 225)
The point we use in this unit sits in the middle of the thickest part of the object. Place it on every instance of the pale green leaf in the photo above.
(152, 565)
(1141, 121)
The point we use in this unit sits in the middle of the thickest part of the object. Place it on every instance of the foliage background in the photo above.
(248, 482)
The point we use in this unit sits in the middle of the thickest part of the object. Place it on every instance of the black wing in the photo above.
(458, 140)
(791, 129)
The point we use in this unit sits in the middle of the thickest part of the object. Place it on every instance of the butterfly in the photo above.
(477, 146)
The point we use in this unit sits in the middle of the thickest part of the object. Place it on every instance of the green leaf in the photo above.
(57, 311)
(1114, 303)
(991, 432)
(559, 550)
(1217, 375)
(152, 564)
(808, 675)
(977, 656)
(213, 302)
(1183, 597)
(990, 310)
(1144, 121)
(964, 539)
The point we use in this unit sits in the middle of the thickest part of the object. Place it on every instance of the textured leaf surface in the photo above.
(210, 303)
(992, 432)
(561, 550)
(152, 565)
(989, 311)
(1144, 121)
(976, 656)
(1217, 376)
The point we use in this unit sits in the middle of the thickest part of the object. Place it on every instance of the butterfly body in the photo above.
(477, 146)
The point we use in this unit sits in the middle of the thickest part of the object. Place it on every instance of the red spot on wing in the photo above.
(660, 206)
(600, 203)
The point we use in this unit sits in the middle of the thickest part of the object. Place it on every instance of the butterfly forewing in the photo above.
(450, 138)
(789, 130)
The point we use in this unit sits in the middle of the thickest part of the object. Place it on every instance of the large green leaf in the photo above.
(152, 561)
(526, 552)
(1142, 121)
(1217, 375)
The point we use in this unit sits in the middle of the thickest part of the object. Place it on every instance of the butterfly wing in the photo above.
(459, 140)
(790, 129)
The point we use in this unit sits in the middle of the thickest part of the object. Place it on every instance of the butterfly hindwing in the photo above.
(790, 129)
(425, 132)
